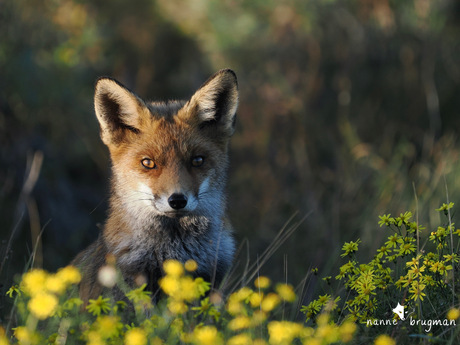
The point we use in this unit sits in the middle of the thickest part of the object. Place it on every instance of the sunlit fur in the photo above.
(142, 229)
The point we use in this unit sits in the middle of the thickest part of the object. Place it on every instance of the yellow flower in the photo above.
(135, 336)
(55, 284)
(453, 314)
(173, 268)
(188, 289)
(328, 333)
(270, 302)
(98, 306)
(346, 330)
(183, 288)
(34, 282)
(324, 299)
(191, 265)
(108, 326)
(202, 286)
(177, 326)
(417, 271)
(43, 305)
(322, 319)
(25, 336)
(207, 335)
(350, 247)
(234, 307)
(140, 297)
(258, 317)
(407, 248)
(416, 290)
(283, 332)
(69, 275)
(255, 299)
(94, 338)
(445, 206)
(242, 293)
(393, 240)
(286, 292)
(170, 285)
(177, 306)
(240, 339)
(384, 340)
(239, 322)
(3, 338)
(262, 282)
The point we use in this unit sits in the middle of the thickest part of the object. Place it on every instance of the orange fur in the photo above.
(169, 165)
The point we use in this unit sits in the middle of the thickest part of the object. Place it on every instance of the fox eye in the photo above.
(148, 163)
(197, 161)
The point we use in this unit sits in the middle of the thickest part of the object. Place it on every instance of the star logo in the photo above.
(400, 311)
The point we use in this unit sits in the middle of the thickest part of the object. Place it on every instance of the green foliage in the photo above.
(364, 302)
(99, 306)
(422, 276)
(184, 315)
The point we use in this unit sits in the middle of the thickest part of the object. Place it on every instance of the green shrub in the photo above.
(421, 275)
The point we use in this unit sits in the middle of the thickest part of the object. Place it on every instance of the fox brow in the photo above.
(165, 109)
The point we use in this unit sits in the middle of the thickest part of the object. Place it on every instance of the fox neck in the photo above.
(134, 232)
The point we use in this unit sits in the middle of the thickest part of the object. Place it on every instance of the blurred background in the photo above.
(348, 110)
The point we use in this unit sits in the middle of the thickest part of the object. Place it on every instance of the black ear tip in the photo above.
(229, 73)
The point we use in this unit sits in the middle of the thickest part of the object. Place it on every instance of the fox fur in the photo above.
(169, 167)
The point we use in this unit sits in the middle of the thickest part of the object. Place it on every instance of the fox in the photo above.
(169, 165)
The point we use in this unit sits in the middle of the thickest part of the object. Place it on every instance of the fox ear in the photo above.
(216, 101)
(118, 110)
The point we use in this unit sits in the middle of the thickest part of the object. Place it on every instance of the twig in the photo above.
(280, 238)
(451, 242)
(419, 303)
(33, 172)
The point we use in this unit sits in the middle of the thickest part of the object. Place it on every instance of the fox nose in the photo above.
(177, 201)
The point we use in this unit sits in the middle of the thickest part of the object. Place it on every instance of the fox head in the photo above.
(168, 158)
